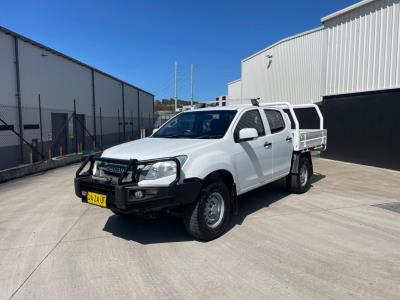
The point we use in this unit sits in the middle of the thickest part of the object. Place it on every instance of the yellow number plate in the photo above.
(96, 199)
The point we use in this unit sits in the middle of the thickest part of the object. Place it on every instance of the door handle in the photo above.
(267, 145)
(288, 139)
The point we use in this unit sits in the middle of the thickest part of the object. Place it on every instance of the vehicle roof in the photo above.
(210, 108)
(230, 107)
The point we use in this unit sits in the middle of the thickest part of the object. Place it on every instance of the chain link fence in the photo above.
(46, 133)
(161, 118)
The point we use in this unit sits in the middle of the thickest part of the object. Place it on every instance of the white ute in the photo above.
(198, 162)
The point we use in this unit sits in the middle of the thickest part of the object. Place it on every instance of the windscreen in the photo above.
(197, 125)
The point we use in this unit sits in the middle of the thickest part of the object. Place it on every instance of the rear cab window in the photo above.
(275, 120)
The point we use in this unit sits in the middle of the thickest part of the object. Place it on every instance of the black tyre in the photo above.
(300, 183)
(209, 216)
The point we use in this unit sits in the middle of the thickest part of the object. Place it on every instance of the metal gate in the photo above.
(80, 132)
(59, 131)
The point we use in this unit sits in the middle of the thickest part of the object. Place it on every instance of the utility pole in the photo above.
(176, 85)
(191, 84)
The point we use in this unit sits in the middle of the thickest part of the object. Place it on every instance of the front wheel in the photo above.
(300, 183)
(209, 216)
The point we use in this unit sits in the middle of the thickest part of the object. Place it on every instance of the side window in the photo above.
(275, 120)
(250, 119)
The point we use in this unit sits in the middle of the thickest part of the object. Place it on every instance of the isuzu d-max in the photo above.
(199, 161)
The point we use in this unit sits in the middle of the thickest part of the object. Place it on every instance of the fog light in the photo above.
(84, 193)
(139, 194)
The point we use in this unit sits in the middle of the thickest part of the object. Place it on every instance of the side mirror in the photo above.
(155, 130)
(247, 134)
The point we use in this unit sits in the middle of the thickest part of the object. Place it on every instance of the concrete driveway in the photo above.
(340, 240)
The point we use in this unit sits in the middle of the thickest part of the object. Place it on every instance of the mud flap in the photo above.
(294, 168)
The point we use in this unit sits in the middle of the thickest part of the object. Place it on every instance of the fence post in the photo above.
(41, 126)
(101, 130)
(132, 125)
(150, 126)
(138, 111)
(75, 129)
(139, 125)
(123, 113)
(18, 94)
(94, 111)
(119, 128)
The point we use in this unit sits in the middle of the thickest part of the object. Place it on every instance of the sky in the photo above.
(139, 41)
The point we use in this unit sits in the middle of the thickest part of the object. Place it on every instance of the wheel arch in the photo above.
(226, 177)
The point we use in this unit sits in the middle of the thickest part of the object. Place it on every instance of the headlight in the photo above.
(161, 169)
(96, 170)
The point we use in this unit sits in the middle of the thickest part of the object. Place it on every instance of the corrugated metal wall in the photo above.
(363, 49)
(146, 109)
(287, 71)
(59, 81)
(7, 70)
(131, 105)
(235, 89)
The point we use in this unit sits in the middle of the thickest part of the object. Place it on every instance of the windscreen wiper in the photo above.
(209, 136)
(172, 136)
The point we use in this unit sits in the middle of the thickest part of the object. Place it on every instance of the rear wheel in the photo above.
(208, 217)
(300, 183)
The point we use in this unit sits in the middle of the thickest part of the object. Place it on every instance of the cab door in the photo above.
(282, 141)
(253, 159)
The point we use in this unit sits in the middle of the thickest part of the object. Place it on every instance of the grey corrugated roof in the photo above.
(346, 10)
(24, 38)
(284, 40)
(234, 81)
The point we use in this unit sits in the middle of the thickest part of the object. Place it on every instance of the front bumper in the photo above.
(121, 197)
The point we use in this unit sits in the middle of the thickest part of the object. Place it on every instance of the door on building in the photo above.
(80, 131)
(362, 128)
(59, 132)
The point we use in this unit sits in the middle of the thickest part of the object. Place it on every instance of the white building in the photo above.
(289, 70)
(110, 109)
(351, 67)
(362, 48)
